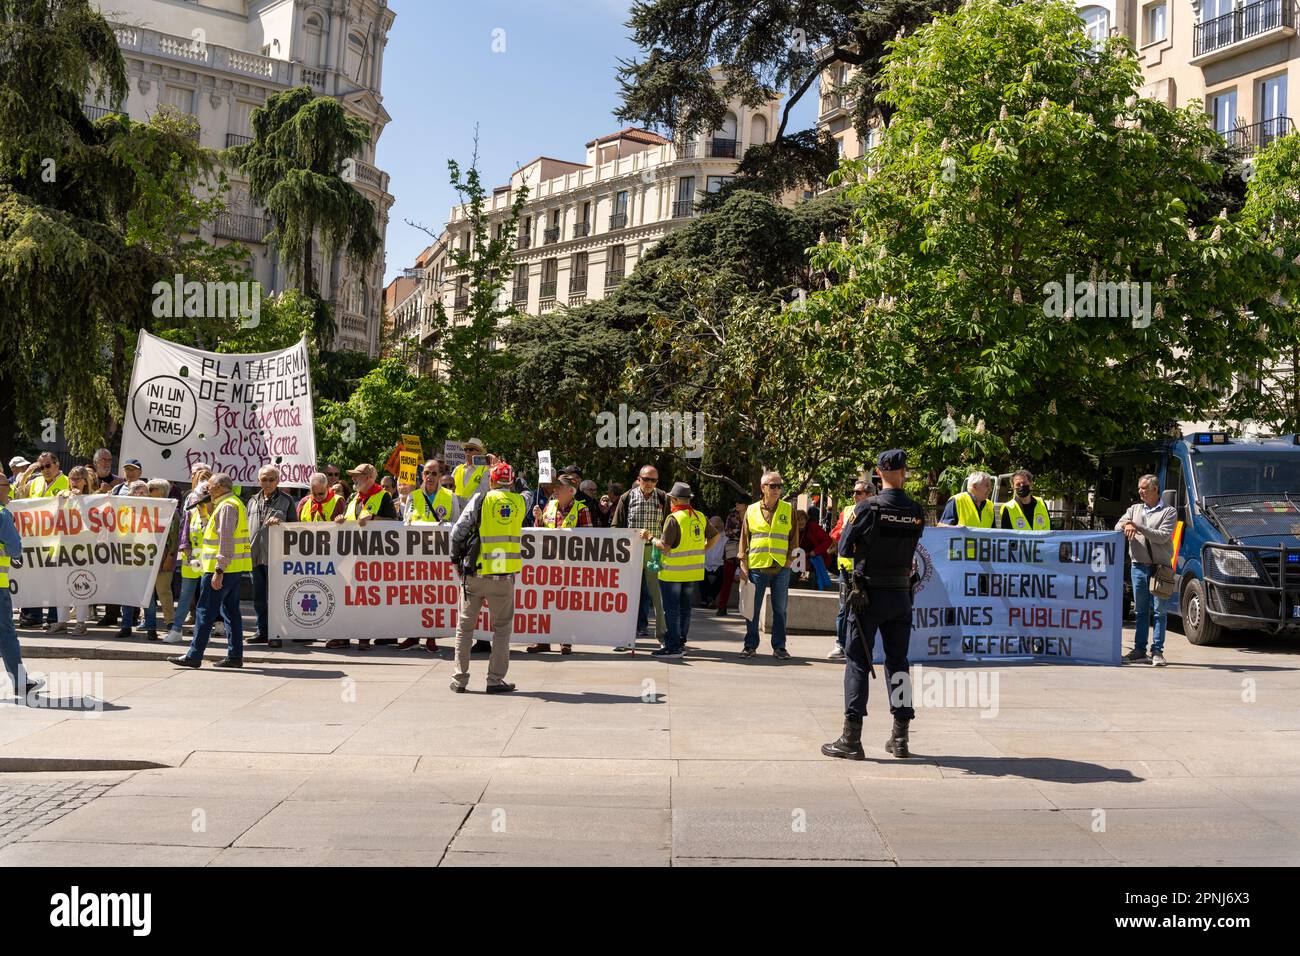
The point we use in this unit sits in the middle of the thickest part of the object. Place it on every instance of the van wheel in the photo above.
(1197, 626)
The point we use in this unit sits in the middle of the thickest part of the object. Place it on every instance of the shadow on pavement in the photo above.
(1047, 769)
(557, 697)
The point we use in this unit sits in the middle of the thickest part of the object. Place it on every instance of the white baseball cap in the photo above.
(18, 461)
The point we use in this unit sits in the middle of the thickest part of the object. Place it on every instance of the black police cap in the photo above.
(892, 460)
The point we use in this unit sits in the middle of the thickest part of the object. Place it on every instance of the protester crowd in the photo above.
(219, 536)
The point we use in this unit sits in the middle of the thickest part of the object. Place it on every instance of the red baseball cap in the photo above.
(501, 474)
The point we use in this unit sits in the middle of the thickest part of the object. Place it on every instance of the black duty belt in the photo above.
(886, 582)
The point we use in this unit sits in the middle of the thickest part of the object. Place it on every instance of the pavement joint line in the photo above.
(463, 820)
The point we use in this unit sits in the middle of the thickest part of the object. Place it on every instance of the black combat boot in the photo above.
(849, 745)
(897, 742)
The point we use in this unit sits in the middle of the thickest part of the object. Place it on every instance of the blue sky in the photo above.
(550, 91)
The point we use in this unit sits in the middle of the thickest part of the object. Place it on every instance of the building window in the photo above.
(1096, 23)
(1224, 108)
(1157, 22)
(618, 219)
(685, 204)
(550, 270)
(578, 274)
(758, 131)
(615, 263)
(521, 284)
(715, 183)
(315, 32)
(179, 98)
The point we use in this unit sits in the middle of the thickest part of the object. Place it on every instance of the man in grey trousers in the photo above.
(1149, 526)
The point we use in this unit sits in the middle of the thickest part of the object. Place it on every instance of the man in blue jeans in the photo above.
(227, 557)
(1149, 527)
(11, 547)
(767, 540)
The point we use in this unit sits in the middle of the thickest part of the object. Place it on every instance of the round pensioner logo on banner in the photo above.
(82, 584)
(164, 409)
(309, 602)
(924, 567)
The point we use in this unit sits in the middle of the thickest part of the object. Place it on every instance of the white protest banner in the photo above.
(984, 594)
(544, 475)
(577, 586)
(453, 454)
(234, 413)
(84, 549)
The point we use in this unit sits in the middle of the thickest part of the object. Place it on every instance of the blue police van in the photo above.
(1238, 564)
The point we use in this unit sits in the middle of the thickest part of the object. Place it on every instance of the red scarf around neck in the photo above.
(318, 507)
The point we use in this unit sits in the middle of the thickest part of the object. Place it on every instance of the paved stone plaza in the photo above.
(313, 757)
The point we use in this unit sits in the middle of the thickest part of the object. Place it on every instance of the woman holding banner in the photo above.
(78, 484)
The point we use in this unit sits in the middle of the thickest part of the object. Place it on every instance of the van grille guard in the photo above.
(1274, 593)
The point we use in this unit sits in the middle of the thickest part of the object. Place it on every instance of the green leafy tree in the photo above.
(387, 402)
(465, 340)
(296, 166)
(1271, 394)
(1020, 160)
(92, 215)
(760, 48)
(690, 330)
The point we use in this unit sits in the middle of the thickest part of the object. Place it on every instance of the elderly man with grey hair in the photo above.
(103, 480)
(1149, 527)
(972, 508)
(227, 554)
(767, 541)
(270, 507)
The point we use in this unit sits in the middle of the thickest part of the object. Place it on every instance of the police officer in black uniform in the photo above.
(881, 541)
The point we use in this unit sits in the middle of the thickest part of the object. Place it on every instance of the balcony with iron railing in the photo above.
(581, 230)
(551, 236)
(613, 276)
(1244, 28)
(577, 288)
(520, 295)
(240, 227)
(618, 221)
(683, 208)
(236, 139)
(547, 290)
(99, 112)
(524, 241)
(722, 148)
(461, 301)
(1251, 139)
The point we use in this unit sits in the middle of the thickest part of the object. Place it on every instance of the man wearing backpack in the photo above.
(485, 548)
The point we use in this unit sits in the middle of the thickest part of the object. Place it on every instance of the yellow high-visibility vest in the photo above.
(500, 526)
(4, 561)
(968, 516)
(424, 509)
(327, 508)
(570, 520)
(768, 543)
(1019, 522)
(373, 504)
(846, 517)
(685, 562)
(243, 559)
(467, 482)
(196, 538)
(38, 489)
